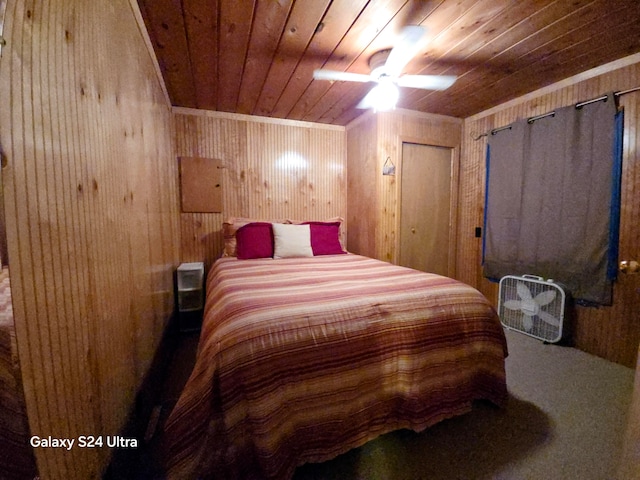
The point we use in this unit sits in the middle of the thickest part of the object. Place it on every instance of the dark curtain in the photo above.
(552, 200)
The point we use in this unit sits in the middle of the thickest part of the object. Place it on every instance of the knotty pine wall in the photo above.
(90, 191)
(610, 332)
(272, 169)
(362, 183)
(374, 199)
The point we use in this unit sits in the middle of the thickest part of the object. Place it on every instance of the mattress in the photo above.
(303, 359)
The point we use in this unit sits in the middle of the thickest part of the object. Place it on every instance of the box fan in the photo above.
(533, 306)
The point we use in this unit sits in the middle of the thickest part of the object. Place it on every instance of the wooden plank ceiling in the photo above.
(257, 56)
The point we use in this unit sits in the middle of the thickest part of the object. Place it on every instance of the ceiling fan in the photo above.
(386, 68)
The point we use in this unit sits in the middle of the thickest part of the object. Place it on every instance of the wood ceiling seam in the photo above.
(169, 34)
(203, 39)
(236, 20)
(284, 64)
(480, 75)
(545, 64)
(302, 76)
(421, 98)
(594, 72)
(254, 82)
(528, 52)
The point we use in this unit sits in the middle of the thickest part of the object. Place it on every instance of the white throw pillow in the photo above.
(291, 241)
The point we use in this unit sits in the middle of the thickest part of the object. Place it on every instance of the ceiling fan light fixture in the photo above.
(384, 95)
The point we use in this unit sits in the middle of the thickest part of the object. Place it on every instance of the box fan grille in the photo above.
(533, 306)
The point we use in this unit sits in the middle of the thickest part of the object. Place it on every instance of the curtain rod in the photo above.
(551, 114)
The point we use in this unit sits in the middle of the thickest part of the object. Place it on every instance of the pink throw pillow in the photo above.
(325, 238)
(255, 240)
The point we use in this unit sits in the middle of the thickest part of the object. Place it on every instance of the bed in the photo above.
(302, 359)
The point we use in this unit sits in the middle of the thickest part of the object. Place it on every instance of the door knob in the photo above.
(629, 266)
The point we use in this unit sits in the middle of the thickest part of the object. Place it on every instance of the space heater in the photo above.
(532, 305)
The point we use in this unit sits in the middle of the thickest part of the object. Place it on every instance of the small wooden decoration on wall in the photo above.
(200, 185)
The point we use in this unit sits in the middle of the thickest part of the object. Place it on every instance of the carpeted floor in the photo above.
(565, 419)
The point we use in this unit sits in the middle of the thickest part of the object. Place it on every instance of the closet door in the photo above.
(426, 208)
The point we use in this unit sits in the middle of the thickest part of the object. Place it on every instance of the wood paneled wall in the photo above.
(373, 198)
(90, 191)
(610, 332)
(363, 204)
(272, 169)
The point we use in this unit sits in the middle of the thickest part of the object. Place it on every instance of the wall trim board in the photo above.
(255, 118)
(135, 9)
(406, 113)
(434, 141)
(428, 116)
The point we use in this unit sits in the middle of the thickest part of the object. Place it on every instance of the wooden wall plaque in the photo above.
(200, 184)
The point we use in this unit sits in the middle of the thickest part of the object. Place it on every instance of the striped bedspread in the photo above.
(302, 359)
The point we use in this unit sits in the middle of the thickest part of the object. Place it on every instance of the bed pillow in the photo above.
(325, 221)
(291, 241)
(254, 240)
(229, 229)
(325, 238)
(231, 226)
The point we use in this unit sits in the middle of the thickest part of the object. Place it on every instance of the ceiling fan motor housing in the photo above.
(377, 63)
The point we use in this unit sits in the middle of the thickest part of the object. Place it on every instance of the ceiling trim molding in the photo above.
(404, 112)
(254, 118)
(427, 115)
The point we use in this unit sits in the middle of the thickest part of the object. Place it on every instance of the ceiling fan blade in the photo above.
(368, 101)
(337, 75)
(405, 49)
(427, 82)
